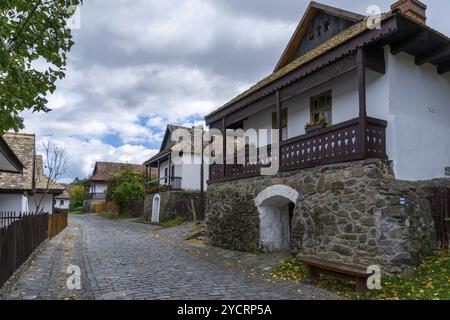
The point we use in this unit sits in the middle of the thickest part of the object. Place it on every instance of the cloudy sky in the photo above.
(140, 64)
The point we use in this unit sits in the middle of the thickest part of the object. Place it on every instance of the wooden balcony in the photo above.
(96, 196)
(163, 184)
(340, 143)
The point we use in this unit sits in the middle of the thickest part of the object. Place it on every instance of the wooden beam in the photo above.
(375, 60)
(279, 119)
(362, 100)
(170, 170)
(159, 173)
(433, 55)
(408, 43)
(443, 68)
(224, 151)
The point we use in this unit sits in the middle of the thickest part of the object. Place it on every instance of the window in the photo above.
(321, 108)
(61, 203)
(165, 174)
(173, 171)
(284, 122)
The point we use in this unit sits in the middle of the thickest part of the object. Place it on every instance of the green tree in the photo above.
(121, 176)
(127, 193)
(77, 195)
(34, 42)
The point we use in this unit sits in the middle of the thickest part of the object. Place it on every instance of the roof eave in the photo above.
(11, 157)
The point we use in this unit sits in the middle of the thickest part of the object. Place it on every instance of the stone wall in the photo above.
(349, 213)
(174, 204)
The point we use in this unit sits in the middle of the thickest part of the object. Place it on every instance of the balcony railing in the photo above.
(96, 196)
(164, 183)
(339, 143)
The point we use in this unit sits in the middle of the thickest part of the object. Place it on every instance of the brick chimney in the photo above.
(412, 8)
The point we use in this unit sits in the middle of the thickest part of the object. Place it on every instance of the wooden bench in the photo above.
(317, 267)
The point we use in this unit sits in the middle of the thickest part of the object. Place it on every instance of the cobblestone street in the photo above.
(125, 260)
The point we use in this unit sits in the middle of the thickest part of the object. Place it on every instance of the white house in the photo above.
(404, 83)
(363, 105)
(177, 190)
(26, 190)
(181, 175)
(97, 185)
(62, 201)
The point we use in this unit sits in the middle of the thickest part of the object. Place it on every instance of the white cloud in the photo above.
(82, 155)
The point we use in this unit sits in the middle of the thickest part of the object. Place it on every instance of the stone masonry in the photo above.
(175, 204)
(351, 213)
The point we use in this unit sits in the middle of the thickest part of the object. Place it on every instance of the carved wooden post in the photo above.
(362, 145)
(280, 127)
(224, 139)
(170, 169)
(159, 173)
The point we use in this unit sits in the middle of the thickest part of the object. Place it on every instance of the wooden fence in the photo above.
(20, 235)
(57, 222)
(440, 203)
(136, 210)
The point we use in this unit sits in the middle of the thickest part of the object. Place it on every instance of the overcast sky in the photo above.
(140, 64)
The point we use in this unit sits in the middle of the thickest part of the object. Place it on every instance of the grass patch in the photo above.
(173, 223)
(430, 281)
(76, 212)
(113, 216)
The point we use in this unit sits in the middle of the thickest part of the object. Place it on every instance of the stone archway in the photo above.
(156, 208)
(275, 205)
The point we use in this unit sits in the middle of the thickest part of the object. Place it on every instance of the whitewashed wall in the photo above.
(46, 204)
(63, 204)
(189, 171)
(98, 187)
(13, 203)
(419, 107)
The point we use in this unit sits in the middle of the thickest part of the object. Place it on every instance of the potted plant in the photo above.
(316, 125)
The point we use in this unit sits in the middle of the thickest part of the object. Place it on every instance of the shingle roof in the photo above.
(104, 170)
(23, 146)
(323, 48)
(169, 146)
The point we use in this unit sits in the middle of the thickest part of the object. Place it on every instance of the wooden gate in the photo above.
(440, 205)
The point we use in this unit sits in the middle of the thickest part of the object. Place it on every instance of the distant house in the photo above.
(62, 201)
(22, 191)
(177, 186)
(97, 184)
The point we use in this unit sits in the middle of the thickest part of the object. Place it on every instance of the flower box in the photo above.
(315, 128)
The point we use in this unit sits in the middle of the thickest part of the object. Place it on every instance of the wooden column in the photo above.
(159, 173)
(280, 127)
(362, 102)
(224, 139)
(146, 178)
(170, 170)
